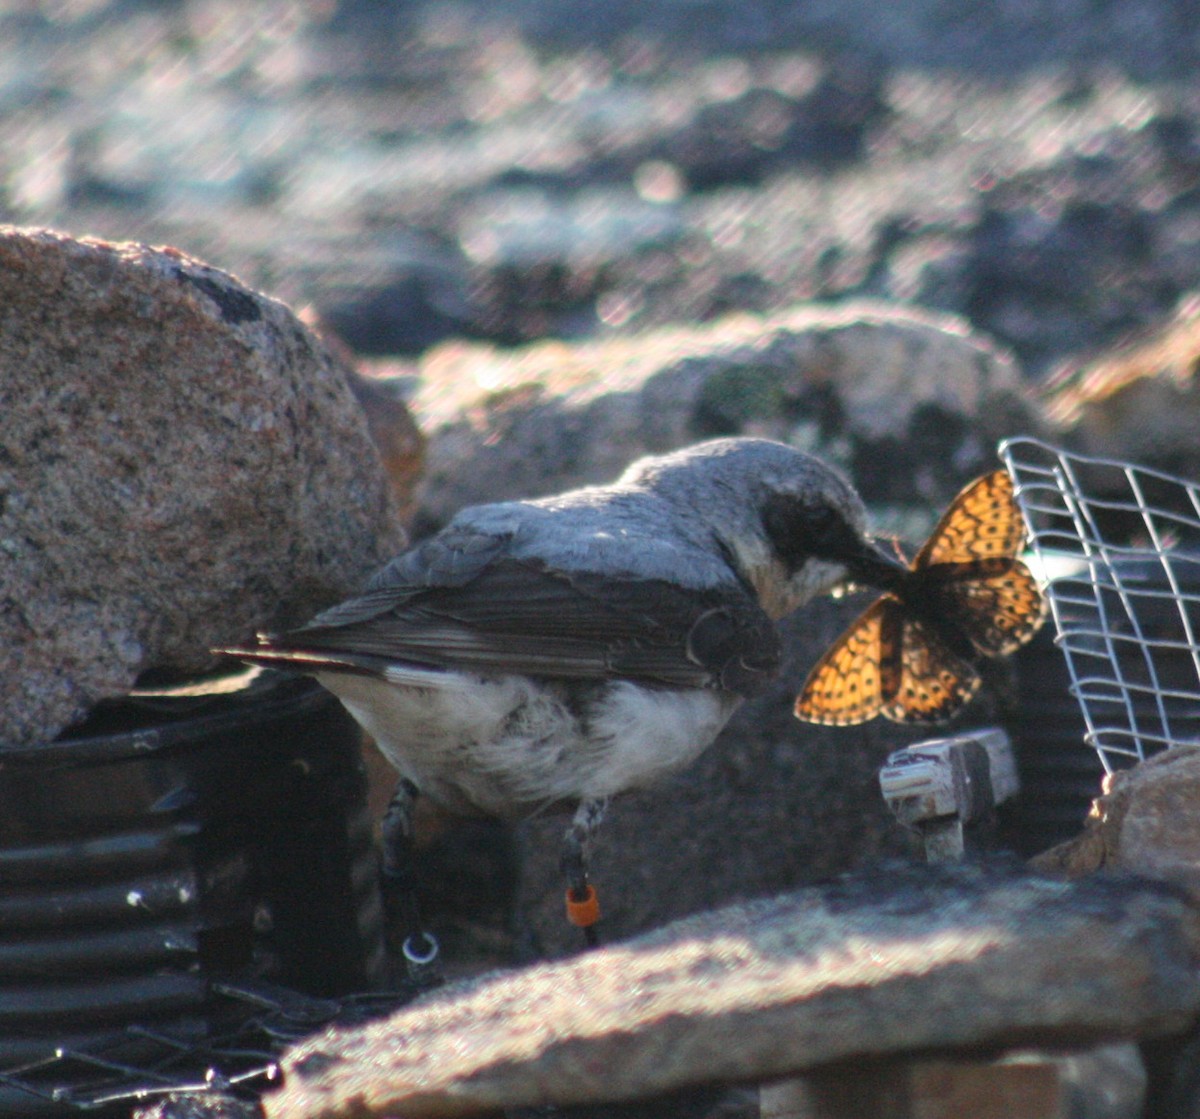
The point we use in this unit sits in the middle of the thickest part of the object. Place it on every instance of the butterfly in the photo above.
(912, 655)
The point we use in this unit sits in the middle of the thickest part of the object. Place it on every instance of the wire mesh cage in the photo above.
(1118, 546)
(139, 1064)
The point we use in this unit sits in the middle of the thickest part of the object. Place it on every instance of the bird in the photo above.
(571, 647)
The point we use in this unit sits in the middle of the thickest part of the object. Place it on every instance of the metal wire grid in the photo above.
(141, 1063)
(1118, 547)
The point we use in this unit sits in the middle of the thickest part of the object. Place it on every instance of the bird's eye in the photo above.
(821, 524)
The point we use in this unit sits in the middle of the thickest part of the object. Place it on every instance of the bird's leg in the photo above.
(582, 907)
(419, 947)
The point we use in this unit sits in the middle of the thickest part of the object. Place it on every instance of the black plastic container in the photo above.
(176, 840)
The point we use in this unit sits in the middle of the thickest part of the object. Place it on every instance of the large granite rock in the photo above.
(909, 402)
(1106, 1081)
(180, 462)
(898, 960)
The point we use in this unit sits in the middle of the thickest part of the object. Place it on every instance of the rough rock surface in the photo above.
(1147, 823)
(909, 402)
(1139, 402)
(209, 1105)
(1096, 1082)
(900, 959)
(180, 463)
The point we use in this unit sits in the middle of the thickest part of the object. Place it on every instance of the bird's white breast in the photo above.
(508, 745)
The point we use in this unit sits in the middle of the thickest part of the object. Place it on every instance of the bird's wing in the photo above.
(451, 559)
(473, 606)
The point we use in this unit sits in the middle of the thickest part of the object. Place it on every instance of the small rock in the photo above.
(909, 402)
(418, 297)
(896, 960)
(399, 441)
(199, 1105)
(180, 463)
(1147, 823)
(382, 397)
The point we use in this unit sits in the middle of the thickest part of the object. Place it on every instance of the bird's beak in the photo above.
(870, 565)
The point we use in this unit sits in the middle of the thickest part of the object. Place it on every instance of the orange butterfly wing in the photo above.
(998, 610)
(934, 681)
(887, 663)
(971, 572)
(893, 661)
(983, 522)
(849, 683)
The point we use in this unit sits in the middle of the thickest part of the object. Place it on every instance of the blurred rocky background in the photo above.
(436, 184)
(516, 170)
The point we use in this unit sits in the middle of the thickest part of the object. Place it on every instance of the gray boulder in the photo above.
(909, 402)
(1138, 402)
(180, 463)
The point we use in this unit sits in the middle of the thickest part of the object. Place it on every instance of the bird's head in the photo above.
(792, 525)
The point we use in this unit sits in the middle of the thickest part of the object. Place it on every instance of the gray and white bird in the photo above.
(569, 648)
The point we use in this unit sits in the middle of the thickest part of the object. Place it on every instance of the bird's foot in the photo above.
(419, 947)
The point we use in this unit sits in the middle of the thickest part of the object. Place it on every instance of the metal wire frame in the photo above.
(141, 1063)
(1118, 548)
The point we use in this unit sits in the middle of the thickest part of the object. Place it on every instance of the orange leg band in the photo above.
(583, 912)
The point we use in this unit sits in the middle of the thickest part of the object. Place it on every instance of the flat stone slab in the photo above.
(181, 461)
(895, 960)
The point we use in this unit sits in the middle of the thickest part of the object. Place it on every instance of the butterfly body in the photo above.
(939, 596)
(913, 656)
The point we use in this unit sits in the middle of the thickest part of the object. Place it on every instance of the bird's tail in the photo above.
(298, 659)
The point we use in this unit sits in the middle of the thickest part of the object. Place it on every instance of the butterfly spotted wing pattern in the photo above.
(850, 682)
(934, 682)
(887, 663)
(903, 658)
(999, 607)
(969, 570)
(982, 523)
